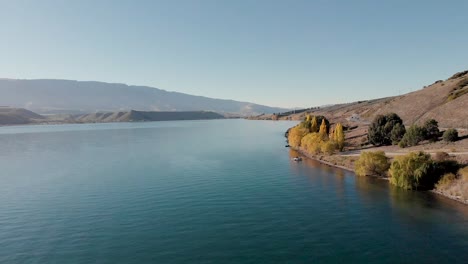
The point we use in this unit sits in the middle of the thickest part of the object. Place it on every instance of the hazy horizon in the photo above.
(275, 53)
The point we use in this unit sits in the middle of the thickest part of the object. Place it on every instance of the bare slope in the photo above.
(65, 96)
(445, 101)
(136, 116)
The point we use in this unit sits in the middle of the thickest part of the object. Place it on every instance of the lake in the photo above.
(218, 191)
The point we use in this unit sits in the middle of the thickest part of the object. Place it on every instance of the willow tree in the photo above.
(410, 170)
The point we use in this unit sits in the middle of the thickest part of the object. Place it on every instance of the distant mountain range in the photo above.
(67, 96)
(21, 116)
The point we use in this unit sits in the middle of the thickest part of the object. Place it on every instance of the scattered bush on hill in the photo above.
(461, 88)
(458, 75)
(372, 163)
(380, 130)
(450, 135)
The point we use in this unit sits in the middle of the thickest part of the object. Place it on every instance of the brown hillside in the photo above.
(445, 101)
(13, 116)
(133, 115)
(435, 101)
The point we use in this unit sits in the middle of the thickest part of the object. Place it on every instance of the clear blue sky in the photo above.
(280, 53)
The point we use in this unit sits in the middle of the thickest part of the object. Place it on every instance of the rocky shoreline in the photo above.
(451, 197)
(310, 156)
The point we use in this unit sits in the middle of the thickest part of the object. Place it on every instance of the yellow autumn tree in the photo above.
(323, 130)
(295, 135)
(308, 118)
(339, 137)
(314, 126)
(328, 147)
(311, 143)
(331, 133)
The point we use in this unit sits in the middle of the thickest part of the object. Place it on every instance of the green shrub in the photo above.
(397, 133)
(413, 136)
(372, 163)
(431, 129)
(408, 171)
(450, 135)
(402, 144)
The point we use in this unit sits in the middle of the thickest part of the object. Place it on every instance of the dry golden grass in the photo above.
(455, 186)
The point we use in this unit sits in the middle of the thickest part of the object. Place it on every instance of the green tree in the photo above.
(379, 132)
(372, 163)
(431, 129)
(413, 136)
(409, 171)
(397, 133)
(450, 135)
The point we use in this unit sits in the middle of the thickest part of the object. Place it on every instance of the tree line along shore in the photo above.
(389, 150)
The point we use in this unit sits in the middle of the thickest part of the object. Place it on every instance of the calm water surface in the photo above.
(221, 191)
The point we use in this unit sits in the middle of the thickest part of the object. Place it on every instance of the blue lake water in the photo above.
(221, 191)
